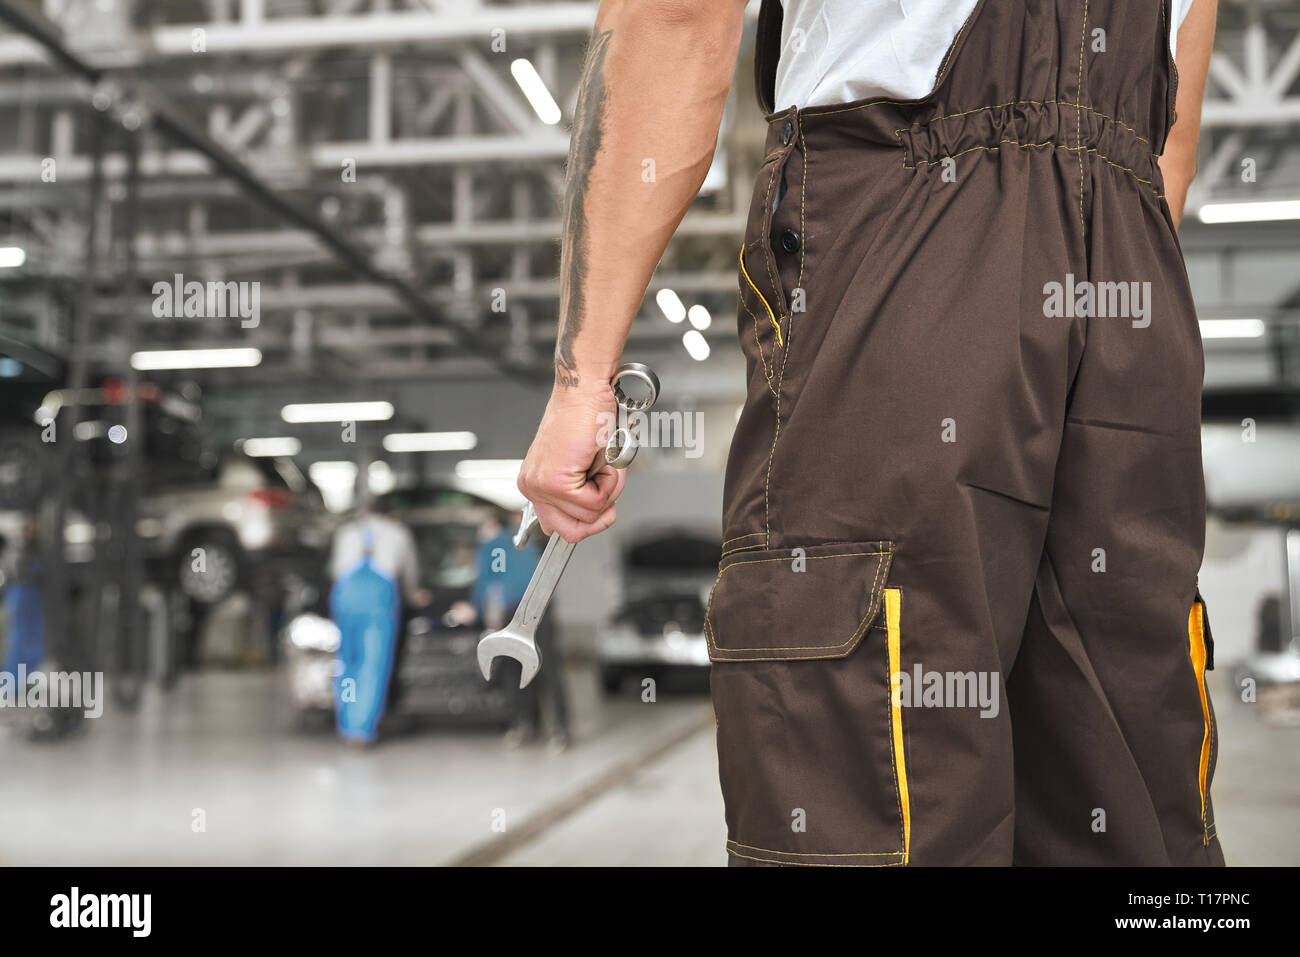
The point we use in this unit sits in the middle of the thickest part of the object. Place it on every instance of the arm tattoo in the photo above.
(584, 143)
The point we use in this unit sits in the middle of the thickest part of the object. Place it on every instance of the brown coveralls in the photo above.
(934, 474)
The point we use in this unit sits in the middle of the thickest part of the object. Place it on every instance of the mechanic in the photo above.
(22, 578)
(374, 565)
(928, 468)
(502, 576)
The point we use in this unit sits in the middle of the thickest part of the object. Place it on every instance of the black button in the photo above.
(790, 240)
(787, 133)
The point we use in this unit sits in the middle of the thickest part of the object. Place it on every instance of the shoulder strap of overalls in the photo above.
(767, 50)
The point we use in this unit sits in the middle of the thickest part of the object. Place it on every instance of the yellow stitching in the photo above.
(767, 372)
(776, 434)
(974, 149)
(898, 135)
(1060, 146)
(893, 663)
(780, 385)
(803, 199)
(744, 272)
(1078, 124)
(768, 259)
(873, 606)
(769, 850)
(1000, 106)
(741, 548)
(766, 218)
(938, 80)
(830, 544)
(764, 860)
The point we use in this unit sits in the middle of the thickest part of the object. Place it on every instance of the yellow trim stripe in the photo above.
(775, 325)
(1196, 638)
(893, 625)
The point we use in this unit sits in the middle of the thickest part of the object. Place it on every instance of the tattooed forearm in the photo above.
(584, 143)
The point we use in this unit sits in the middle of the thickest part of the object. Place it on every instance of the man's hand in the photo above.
(557, 474)
(460, 613)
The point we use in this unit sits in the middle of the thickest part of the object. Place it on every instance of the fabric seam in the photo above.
(873, 607)
(1060, 146)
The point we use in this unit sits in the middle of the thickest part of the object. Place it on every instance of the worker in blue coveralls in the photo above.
(375, 566)
(24, 644)
(504, 573)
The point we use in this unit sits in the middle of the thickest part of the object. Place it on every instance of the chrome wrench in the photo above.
(516, 640)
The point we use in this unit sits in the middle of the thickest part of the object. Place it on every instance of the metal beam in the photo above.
(180, 128)
(283, 34)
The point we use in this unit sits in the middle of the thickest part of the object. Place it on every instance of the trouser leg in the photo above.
(1114, 736)
(914, 409)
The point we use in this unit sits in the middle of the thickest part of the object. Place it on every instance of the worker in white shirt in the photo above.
(375, 566)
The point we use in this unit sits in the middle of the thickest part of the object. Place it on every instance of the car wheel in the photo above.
(216, 577)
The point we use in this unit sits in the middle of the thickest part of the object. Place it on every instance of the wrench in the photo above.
(515, 640)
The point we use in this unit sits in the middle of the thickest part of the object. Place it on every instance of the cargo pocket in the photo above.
(1201, 648)
(811, 743)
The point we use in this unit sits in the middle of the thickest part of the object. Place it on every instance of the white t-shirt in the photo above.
(835, 51)
(392, 549)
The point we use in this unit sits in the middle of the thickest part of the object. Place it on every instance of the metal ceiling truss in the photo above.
(397, 125)
(455, 193)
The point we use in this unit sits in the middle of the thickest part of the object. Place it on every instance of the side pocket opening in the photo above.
(776, 325)
(893, 631)
(1201, 656)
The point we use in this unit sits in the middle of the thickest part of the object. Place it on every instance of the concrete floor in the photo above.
(638, 787)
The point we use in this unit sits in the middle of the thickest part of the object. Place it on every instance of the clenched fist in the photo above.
(557, 475)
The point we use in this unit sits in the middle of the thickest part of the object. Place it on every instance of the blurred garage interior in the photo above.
(263, 262)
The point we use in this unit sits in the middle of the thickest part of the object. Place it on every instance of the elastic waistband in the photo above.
(929, 140)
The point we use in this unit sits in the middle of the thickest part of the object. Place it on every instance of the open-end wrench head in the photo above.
(530, 526)
(505, 644)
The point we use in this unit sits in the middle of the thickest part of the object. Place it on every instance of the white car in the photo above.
(659, 629)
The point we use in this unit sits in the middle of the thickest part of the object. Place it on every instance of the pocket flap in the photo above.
(787, 604)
